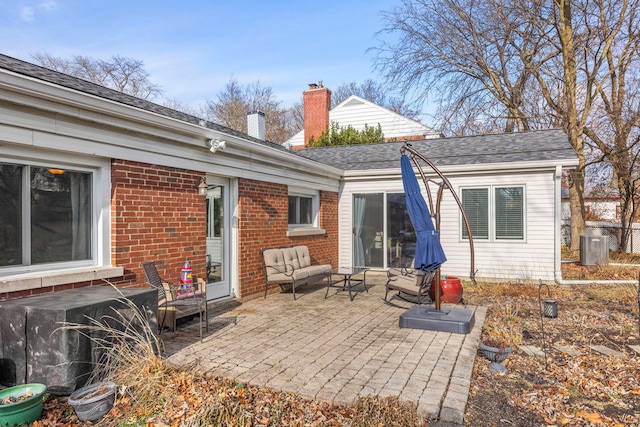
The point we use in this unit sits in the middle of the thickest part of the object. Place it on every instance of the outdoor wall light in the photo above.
(202, 187)
(216, 144)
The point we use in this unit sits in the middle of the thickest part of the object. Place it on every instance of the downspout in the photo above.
(557, 247)
(558, 244)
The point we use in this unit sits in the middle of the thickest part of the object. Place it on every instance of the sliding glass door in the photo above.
(383, 235)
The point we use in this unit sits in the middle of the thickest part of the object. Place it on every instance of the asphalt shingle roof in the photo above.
(512, 147)
(65, 80)
(538, 145)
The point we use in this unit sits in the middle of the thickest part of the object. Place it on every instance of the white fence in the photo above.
(611, 229)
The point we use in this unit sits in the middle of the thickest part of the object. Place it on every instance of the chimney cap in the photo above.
(255, 112)
(313, 85)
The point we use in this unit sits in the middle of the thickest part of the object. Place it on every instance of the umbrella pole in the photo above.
(438, 290)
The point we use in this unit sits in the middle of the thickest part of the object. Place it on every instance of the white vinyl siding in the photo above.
(531, 258)
(358, 113)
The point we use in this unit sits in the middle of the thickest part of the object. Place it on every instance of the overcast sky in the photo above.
(192, 48)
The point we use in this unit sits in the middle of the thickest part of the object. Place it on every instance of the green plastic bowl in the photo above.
(25, 411)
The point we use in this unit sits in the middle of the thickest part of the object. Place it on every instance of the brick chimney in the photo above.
(316, 103)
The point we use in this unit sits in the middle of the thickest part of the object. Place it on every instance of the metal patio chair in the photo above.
(408, 281)
(172, 296)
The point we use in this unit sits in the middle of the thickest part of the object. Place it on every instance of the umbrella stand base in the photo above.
(454, 320)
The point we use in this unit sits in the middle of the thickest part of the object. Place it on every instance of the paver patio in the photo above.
(335, 350)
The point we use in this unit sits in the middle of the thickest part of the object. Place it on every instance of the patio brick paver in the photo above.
(335, 350)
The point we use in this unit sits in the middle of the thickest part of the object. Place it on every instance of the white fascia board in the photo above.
(469, 169)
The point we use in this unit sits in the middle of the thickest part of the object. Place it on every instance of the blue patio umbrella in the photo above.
(429, 253)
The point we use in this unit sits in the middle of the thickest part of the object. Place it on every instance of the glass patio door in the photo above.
(218, 237)
(368, 227)
(383, 235)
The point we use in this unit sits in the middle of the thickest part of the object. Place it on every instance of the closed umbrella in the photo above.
(429, 253)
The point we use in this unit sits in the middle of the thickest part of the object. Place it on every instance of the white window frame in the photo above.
(100, 217)
(491, 213)
(314, 226)
(314, 195)
(463, 227)
(524, 217)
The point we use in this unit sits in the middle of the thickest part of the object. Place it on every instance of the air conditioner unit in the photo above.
(594, 250)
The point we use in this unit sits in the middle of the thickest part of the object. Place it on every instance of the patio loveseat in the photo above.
(290, 266)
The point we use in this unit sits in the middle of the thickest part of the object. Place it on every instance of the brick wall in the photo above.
(156, 215)
(263, 223)
(317, 102)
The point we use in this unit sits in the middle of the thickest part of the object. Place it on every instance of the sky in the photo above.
(192, 48)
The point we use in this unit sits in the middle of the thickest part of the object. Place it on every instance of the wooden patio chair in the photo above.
(171, 296)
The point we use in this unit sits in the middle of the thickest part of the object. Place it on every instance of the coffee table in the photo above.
(342, 278)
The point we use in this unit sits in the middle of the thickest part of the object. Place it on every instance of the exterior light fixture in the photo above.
(216, 144)
(202, 187)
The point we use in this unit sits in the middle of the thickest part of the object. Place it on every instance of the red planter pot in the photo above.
(450, 290)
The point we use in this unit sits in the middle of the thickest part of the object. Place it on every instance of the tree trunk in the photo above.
(573, 125)
(576, 203)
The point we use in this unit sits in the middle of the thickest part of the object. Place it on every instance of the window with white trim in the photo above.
(48, 216)
(475, 202)
(509, 213)
(303, 208)
(504, 222)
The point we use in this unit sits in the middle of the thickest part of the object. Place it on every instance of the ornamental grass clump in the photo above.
(127, 352)
(389, 412)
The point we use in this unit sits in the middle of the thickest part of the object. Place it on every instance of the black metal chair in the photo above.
(172, 296)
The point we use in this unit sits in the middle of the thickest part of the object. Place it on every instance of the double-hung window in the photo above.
(494, 213)
(476, 207)
(47, 220)
(509, 213)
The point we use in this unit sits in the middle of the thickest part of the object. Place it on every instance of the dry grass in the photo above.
(388, 412)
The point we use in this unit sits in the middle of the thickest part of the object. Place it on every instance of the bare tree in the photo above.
(462, 52)
(126, 75)
(232, 103)
(522, 65)
(615, 130)
(176, 104)
(296, 116)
